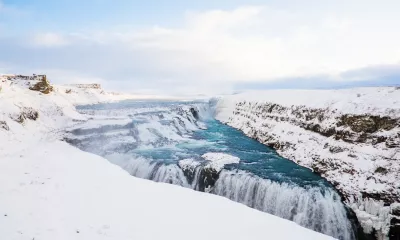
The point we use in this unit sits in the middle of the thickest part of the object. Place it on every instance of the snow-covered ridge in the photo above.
(351, 137)
(51, 190)
(86, 86)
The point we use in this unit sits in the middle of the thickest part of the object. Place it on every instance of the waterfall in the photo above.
(319, 209)
(151, 170)
(154, 146)
(310, 208)
(204, 111)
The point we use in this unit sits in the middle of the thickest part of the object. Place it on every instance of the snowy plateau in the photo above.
(52, 190)
(351, 137)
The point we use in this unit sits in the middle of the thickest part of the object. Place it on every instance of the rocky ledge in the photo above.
(357, 151)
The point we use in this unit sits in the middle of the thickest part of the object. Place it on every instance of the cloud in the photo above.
(218, 20)
(49, 40)
(373, 72)
(233, 45)
(372, 76)
(217, 49)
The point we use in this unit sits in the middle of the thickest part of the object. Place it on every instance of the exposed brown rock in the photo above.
(367, 123)
(42, 86)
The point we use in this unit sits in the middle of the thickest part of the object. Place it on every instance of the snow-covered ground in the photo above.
(51, 190)
(351, 137)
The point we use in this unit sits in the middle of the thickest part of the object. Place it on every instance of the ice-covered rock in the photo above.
(219, 160)
(188, 164)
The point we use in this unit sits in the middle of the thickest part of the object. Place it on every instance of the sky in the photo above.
(203, 47)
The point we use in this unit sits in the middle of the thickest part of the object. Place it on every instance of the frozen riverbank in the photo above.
(351, 137)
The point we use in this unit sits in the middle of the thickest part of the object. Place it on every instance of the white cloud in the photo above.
(217, 48)
(218, 20)
(329, 46)
(49, 40)
(248, 44)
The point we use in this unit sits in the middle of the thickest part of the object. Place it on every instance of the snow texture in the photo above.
(219, 160)
(188, 164)
(51, 190)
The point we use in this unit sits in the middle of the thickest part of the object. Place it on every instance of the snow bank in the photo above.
(372, 100)
(51, 190)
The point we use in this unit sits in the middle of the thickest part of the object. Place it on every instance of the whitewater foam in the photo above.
(310, 208)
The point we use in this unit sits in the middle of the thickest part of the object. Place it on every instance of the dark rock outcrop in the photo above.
(195, 113)
(4, 125)
(26, 113)
(367, 123)
(394, 232)
(202, 177)
(393, 141)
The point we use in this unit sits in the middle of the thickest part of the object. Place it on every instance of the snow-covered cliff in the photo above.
(51, 190)
(351, 137)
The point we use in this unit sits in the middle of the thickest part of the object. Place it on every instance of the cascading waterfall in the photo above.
(159, 136)
(151, 170)
(310, 208)
(195, 184)
(313, 208)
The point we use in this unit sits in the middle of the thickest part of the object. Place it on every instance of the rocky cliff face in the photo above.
(358, 152)
(34, 82)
